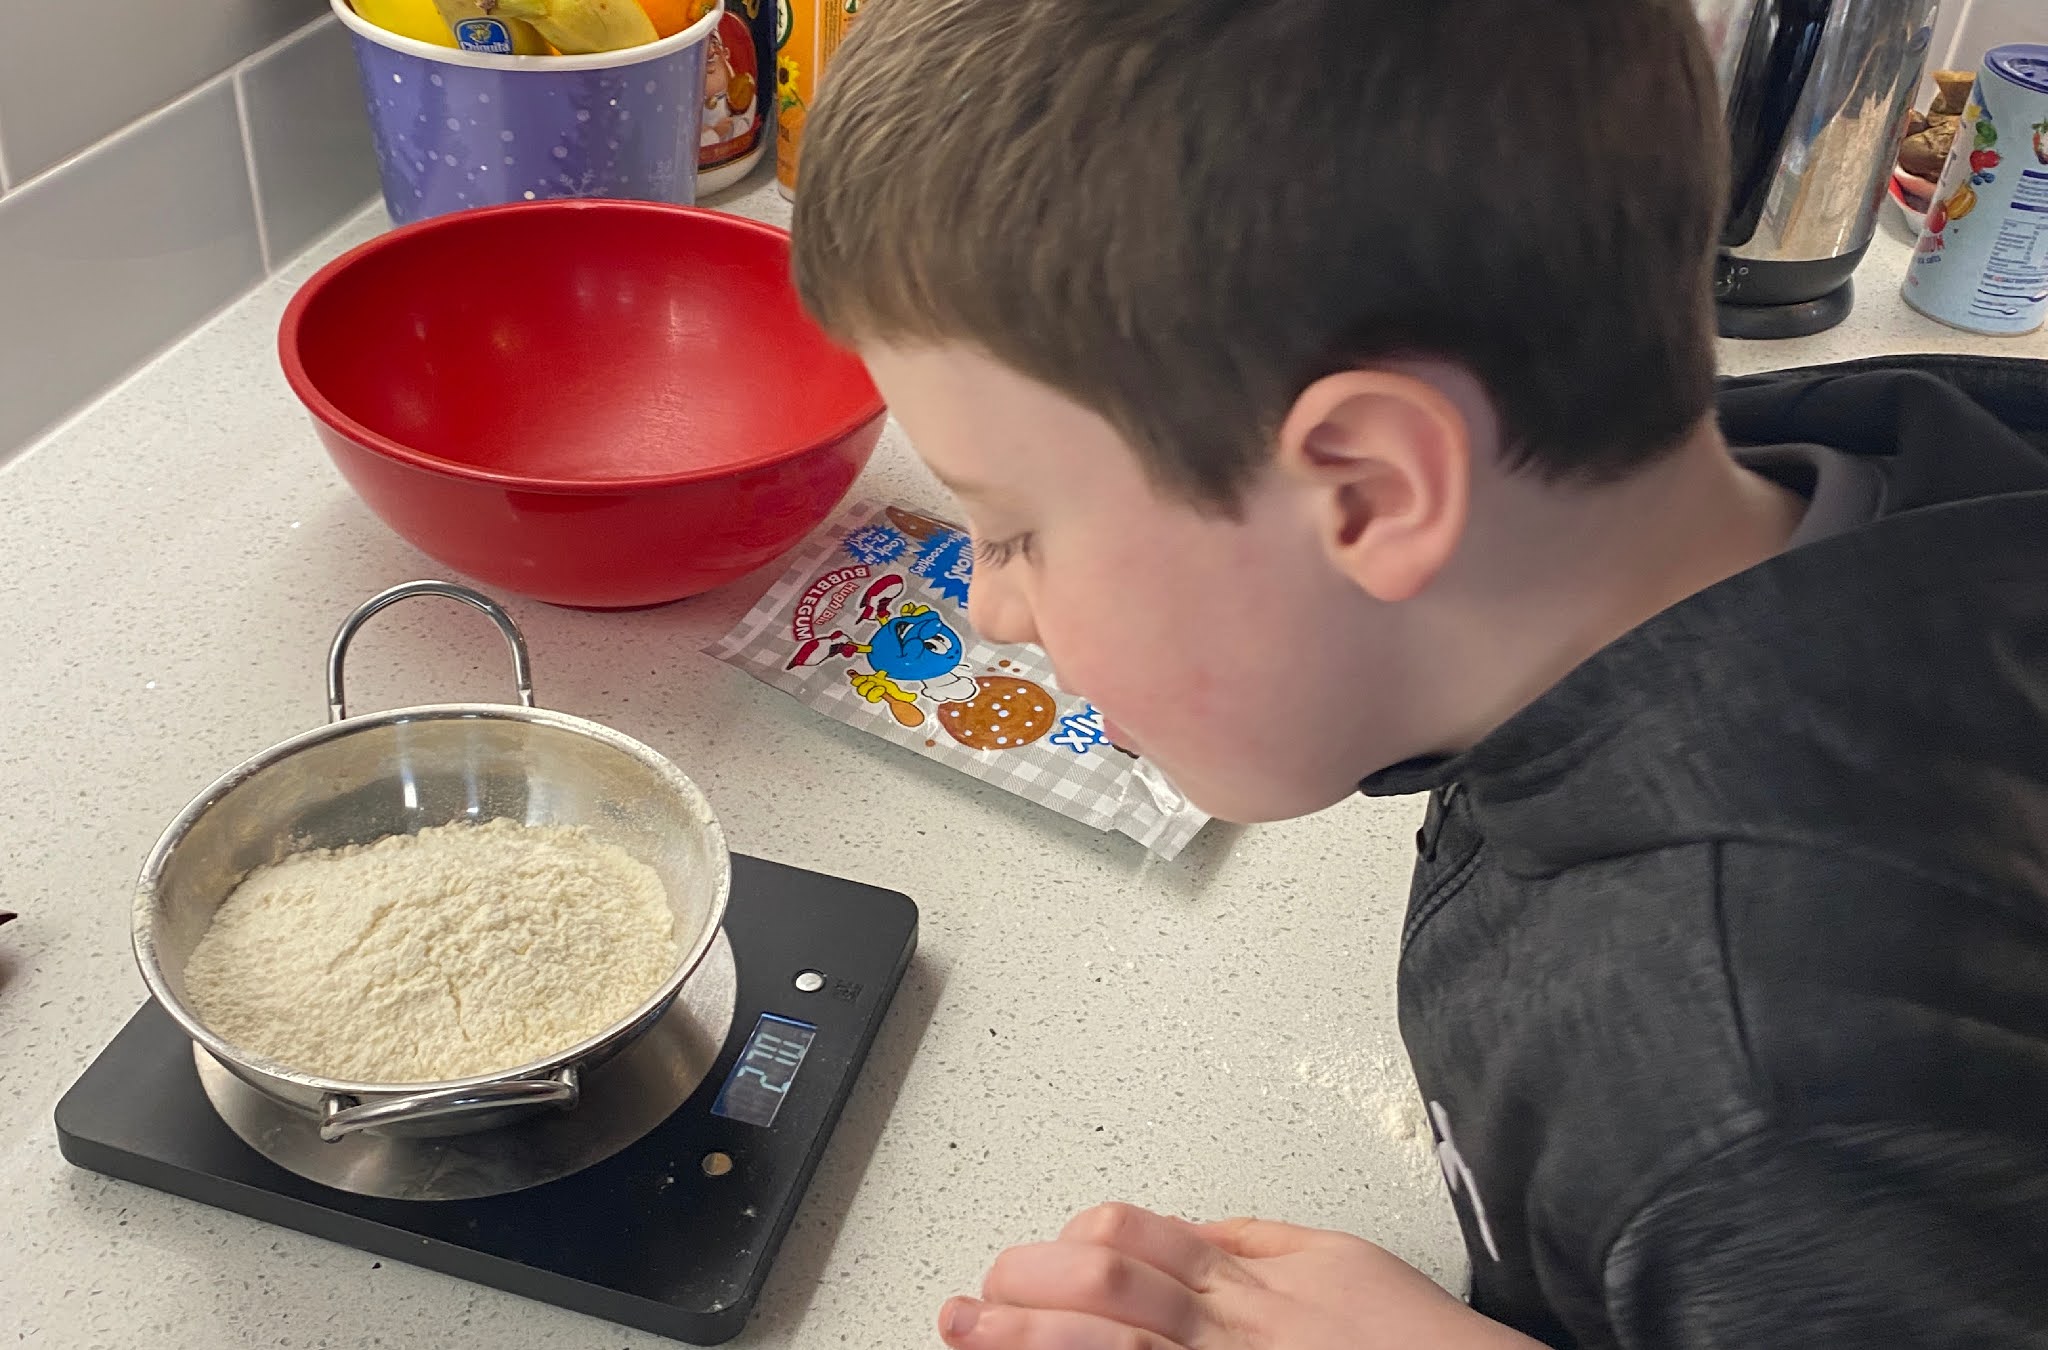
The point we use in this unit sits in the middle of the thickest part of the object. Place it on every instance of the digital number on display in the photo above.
(759, 1083)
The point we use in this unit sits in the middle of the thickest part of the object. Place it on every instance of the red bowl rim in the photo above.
(325, 411)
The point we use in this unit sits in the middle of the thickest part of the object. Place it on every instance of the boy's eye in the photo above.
(996, 552)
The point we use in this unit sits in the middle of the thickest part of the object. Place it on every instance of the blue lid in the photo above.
(2024, 63)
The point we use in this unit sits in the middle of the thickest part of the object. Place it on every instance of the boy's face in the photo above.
(1229, 652)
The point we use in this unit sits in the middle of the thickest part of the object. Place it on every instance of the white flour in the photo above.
(1381, 1088)
(465, 949)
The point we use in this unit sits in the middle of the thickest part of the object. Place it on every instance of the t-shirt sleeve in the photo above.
(1843, 1236)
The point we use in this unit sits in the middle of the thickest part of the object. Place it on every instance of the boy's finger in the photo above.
(1172, 1245)
(967, 1324)
(1080, 1277)
(1257, 1239)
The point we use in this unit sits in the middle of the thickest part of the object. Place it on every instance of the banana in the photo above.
(579, 26)
(456, 13)
(416, 19)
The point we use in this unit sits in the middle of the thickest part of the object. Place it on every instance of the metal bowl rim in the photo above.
(641, 1016)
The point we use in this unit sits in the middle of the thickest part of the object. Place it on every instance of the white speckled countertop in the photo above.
(1211, 1036)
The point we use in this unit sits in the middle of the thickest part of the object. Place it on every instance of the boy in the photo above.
(1384, 329)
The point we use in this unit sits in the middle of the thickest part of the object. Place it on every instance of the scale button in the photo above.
(716, 1164)
(810, 981)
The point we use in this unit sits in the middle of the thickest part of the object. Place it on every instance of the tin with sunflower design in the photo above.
(807, 34)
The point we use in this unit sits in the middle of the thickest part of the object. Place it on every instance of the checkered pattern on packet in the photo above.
(1101, 788)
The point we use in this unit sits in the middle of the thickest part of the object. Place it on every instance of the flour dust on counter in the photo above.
(1381, 1090)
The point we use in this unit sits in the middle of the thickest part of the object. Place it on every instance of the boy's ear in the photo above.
(1388, 457)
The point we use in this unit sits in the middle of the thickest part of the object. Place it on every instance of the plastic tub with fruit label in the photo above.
(1982, 259)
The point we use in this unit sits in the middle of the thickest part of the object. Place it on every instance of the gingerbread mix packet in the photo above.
(869, 626)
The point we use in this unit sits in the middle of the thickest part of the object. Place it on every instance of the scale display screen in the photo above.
(755, 1089)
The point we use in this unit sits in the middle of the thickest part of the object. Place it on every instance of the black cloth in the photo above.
(1725, 971)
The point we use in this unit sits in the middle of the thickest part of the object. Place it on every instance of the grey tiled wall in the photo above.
(156, 161)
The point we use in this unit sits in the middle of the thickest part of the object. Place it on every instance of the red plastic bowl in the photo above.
(595, 403)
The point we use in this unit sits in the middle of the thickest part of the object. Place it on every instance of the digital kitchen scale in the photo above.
(672, 1234)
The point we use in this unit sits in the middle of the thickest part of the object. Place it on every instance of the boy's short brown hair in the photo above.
(1180, 213)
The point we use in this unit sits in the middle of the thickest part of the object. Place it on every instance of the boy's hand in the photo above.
(1120, 1278)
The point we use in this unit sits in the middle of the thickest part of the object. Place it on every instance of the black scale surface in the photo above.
(648, 1238)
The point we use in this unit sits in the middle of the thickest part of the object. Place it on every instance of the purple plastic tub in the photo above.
(456, 129)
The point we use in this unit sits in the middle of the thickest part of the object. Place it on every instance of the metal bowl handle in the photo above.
(344, 1116)
(522, 668)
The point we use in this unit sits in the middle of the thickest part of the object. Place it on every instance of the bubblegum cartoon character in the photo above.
(912, 654)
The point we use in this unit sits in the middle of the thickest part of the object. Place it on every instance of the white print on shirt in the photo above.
(1458, 1176)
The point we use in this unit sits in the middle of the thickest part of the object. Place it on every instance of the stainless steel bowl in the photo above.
(359, 779)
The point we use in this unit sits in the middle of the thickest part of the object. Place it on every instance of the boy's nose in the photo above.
(1000, 613)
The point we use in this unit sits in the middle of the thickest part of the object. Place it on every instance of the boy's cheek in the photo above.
(1094, 656)
(1158, 690)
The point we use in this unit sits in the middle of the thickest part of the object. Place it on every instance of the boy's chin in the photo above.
(1237, 805)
